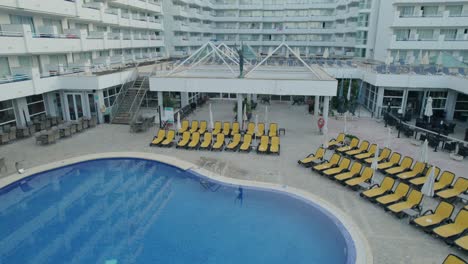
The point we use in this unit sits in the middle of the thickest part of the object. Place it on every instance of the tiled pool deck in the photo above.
(391, 240)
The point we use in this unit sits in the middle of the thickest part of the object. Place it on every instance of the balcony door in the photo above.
(75, 106)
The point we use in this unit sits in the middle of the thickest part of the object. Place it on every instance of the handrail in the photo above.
(131, 110)
(122, 92)
(420, 129)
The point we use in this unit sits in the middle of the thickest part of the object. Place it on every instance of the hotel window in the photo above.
(35, 105)
(426, 34)
(110, 95)
(53, 23)
(429, 11)
(4, 67)
(7, 114)
(406, 11)
(450, 34)
(58, 60)
(23, 20)
(454, 10)
(393, 96)
(439, 99)
(461, 106)
(402, 34)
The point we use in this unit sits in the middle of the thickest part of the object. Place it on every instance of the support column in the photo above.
(49, 103)
(326, 104)
(160, 105)
(379, 102)
(404, 101)
(254, 97)
(450, 104)
(316, 110)
(20, 107)
(99, 100)
(184, 99)
(239, 108)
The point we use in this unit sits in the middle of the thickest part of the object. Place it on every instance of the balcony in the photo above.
(439, 43)
(419, 20)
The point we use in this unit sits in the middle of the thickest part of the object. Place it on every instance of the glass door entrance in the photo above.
(75, 106)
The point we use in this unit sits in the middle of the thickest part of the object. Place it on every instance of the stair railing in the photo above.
(135, 106)
(123, 91)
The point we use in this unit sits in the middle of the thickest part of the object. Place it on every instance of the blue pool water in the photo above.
(116, 211)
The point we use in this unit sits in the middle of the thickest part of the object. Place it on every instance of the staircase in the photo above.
(130, 103)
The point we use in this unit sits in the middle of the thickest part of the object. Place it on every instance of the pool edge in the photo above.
(362, 247)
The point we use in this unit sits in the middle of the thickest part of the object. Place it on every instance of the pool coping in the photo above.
(362, 247)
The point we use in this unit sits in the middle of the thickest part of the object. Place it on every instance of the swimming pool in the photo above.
(125, 210)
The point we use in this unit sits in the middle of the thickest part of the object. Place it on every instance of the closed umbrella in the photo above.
(325, 137)
(326, 53)
(428, 187)
(397, 57)
(348, 96)
(389, 137)
(440, 59)
(244, 118)
(428, 110)
(266, 115)
(374, 163)
(256, 127)
(345, 129)
(425, 59)
(179, 126)
(388, 60)
(211, 119)
(423, 152)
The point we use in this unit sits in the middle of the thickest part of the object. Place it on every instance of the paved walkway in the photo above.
(392, 240)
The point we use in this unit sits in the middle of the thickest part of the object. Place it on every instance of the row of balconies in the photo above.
(72, 41)
(440, 43)
(444, 20)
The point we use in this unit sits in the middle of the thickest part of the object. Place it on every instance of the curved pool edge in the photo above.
(362, 247)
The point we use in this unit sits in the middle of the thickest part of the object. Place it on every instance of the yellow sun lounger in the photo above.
(444, 181)
(353, 172)
(419, 181)
(235, 129)
(158, 139)
(453, 259)
(183, 142)
(462, 242)
(217, 128)
(333, 162)
(250, 129)
(405, 165)
(393, 161)
(194, 127)
(384, 154)
(226, 129)
(370, 153)
(378, 190)
(336, 141)
(275, 145)
(246, 145)
(366, 176)
(312, 158)
(203, 127)
(343, 165)
(218, 145)
(352, 145)
(207, 139)
(195, 141)
(430, 218)
(455, 228)
(417, 169)
(234, 144)
(169, 140)
(184, 127)
(263, 146)
(460, 186)
(400, 192)
(273, 131)
(411, 202)
(362, 148)
(260, 130)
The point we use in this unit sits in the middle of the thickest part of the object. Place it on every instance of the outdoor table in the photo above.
(411, 213)
(4, 137)
(282, 130)
(464, 197)
(365, 185)
(22, 132)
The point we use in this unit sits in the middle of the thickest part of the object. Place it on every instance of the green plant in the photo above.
(168, 102)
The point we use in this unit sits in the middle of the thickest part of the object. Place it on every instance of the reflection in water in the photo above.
(240, 195)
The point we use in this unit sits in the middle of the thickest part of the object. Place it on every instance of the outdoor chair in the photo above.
(343, 165)
(275, 146)
(335, 142)
(250, 129)
(183, 142)
(362, 148)
(418, 182)
(217, 128)
(459, 187)
(226, 129)
(219, 144)
(351, 173)
(333, 162)
(273, 130)
(159, 138)
(412, 201)
(207, 140)
(453, 228)
(370, 153)
(365, 177)
(260, 130)
(195, 141)
(400, 192)
(203, 127)
(169, 140)
(246, 143)
(235, 129)
(352, 145)
(430, 218)
(394, 160)
(378, 190)
(263, 146)
(404, 165)
(234, 144)
(444, 181)
(184, 127)
(193, 127)
(462, 243)
(416, 171)
(312, 158)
